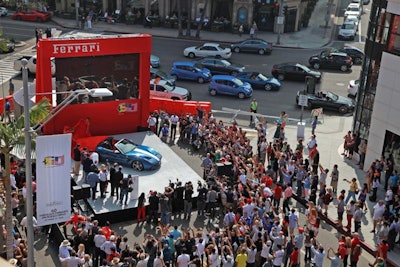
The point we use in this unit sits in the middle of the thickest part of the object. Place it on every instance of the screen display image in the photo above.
(118, 73)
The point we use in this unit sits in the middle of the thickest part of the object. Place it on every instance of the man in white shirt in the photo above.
(377, 213)
(94, 156)
(174, 119)
(183, 259)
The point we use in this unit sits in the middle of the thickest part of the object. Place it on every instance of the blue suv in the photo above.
(190, 71)
(229, 85)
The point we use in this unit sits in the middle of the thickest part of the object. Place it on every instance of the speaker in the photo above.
(86, 191)
(77, 192)
(224, 169)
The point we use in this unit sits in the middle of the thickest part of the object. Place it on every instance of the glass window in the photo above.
(394, 39)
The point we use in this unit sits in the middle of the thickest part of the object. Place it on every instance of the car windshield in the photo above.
(305, 68)
(237, 82)
(332, 96)
(168, 86)
(352, 19)
(355, 9)
(261, 77)
(125, 146)
(198, 67)
(162, 74)
(348, 26)
(225, 63)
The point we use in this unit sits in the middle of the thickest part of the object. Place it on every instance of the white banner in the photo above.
(135, 187)
(53, 168)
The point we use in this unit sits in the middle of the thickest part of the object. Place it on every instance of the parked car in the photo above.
(356, 54)
(347, 31)
(220, 66)
(294, 71)
(252, 45)
(229, 85)
(208, 50)
(32, 15)
(32, 64)
(127, 153)
(352, 18)
(354, 9)
(156, 73)
(331, 60)
(190, 71)
(6, 45)
(352, 88)
(164, 89)
(259, 81)
(3, 11)
(154, 61)
(328, 100)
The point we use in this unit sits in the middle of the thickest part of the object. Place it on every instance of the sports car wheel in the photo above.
(192, 55)
(357, 61)
(137, 165)
(19, 18)
(343, 68)
(174, 77)
(261, 52)
(236, 50)
(213, 92)
(316, 66)
(241, 95)
(343, 109)
(200, 80)
(267, 87)
(39, 20)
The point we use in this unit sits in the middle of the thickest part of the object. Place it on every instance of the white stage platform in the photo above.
(172, 167)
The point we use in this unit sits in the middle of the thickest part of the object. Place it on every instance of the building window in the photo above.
(394, 39)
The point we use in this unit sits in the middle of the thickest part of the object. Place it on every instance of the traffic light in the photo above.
(276, 10)
(285, 11)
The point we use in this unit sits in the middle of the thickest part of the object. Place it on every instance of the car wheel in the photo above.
(343, 68)
(357, 61)
(213, 92)
(39, 20)
(268, 87)
(241, 95)
(261, 52)
(200, 80)
(19, 18)
(316, 66)
(343, 109)
(281, 77)
(174, 77)
(192, 55)
(236, 50)
(137, 165)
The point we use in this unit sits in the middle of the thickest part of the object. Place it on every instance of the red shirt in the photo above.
(106, 231)
(278, 192)
(383, 250)
(294, 257)
(354, 242)
(342, 249)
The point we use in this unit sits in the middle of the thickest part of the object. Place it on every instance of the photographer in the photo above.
(319, 253)
(187, 210)
(201, 198)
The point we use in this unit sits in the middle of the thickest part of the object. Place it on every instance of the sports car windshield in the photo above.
(125, 146)
(261, 77)
(332, 96)
(225, 62)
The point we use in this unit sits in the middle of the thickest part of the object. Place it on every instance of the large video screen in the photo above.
(118, 73)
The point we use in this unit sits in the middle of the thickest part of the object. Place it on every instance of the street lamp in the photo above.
(96, 92)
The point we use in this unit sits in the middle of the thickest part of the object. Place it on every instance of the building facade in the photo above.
(377, 117)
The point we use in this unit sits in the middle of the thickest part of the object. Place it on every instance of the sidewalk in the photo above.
(314, 36)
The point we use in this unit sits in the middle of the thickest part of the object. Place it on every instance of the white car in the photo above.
(208, 50)
(352, 88)
(353, 19)
(164, 89)
(348, 31)
(353, 9)
(3, 11)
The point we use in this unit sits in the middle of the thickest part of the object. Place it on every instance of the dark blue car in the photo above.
(190, 71)
(259, 81)
(127, 153)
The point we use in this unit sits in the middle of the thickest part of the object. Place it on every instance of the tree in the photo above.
(189, 17)
(180, 30)
(12, 137)
(203, 13)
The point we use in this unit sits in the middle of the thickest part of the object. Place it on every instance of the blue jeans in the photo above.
(349, 195)
(124, 193)
(164, 217)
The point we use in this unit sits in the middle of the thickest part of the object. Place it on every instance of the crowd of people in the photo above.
(258, 224)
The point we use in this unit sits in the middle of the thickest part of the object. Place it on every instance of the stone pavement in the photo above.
(315, 35)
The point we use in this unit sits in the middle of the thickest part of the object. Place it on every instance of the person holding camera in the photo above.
(318, 252)
(187, 196)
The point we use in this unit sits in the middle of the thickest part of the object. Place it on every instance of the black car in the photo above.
(328, 100)
(252, 45)
(294, 71)
(220, 66)
(356, 54)
(331, 60)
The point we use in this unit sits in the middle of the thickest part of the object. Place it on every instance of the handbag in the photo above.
(130, 189)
